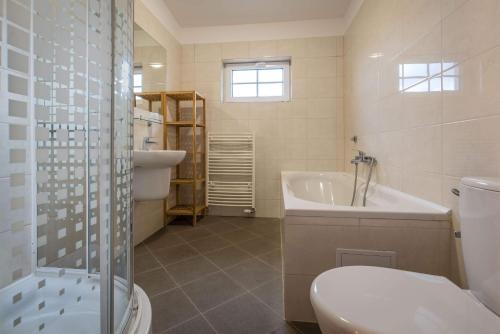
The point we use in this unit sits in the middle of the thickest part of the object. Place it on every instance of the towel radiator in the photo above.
(231, 170)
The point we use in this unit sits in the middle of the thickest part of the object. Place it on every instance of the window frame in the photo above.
(231, 66)
(138, 70)
(428, 78)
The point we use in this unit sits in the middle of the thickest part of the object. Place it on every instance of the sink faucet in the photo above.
(146, 141)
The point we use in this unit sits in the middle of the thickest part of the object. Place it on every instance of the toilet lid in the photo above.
(385, 301)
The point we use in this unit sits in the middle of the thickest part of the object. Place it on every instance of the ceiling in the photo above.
(200, 13)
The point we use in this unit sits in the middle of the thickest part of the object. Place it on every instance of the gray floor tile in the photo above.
(171, 308)
(144, 263)
(271, 294)
(252, 273)
(274, 237)
(191, 269)
(273, 258)
(243, 315)
(226, 304)
(265, 229)
(240, 221)
(208, 220)
(222, 227)
(195, 233)
(285, 328)
(307, 327)
(238, 235)
(228, 256)
(258, 246)
(179, 225)
(163, 239)
(175, 254)
(246, 222)
(155, 281)
(209, 244)
(197, 325)
(140, 249)
(212, 290)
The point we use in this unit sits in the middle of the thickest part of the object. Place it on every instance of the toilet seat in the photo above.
(374, 300)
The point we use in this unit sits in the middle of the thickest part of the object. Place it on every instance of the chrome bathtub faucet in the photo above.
(363, 159)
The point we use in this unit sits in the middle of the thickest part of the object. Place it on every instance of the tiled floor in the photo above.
(223, 276)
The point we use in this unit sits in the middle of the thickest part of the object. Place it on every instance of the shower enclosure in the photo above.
(65, 166)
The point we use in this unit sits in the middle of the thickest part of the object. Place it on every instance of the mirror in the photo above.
(150, 59)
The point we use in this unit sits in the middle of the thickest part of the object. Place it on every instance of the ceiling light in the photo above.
(376, 55)
(156, 65)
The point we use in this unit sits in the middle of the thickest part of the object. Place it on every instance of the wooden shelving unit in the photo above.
(195, 208)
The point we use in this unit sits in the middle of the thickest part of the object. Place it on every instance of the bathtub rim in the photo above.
(293, 206)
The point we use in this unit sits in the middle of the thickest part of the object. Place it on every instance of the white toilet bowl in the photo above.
(371, 300)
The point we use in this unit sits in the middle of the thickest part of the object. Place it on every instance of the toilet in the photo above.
(375, 300)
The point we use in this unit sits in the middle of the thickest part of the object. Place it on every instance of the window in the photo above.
(257, 81)
(424, 77)
(137, 78)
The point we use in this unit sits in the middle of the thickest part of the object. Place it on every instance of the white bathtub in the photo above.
(322, 231)
(328, 194)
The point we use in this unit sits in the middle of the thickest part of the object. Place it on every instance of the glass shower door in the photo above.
(65, 166)
(122, 153)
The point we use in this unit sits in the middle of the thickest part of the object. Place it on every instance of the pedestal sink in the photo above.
(152, 173)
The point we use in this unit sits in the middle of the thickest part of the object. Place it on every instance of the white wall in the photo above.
(155, 28)
(303, 134)
(425, 141)
(149, 216)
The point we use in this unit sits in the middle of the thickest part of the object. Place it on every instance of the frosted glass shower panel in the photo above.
(60, 102)
(16, 173)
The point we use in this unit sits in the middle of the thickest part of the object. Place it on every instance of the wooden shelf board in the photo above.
(184, 210)
(186, 95)
(186, 181)
(185, 124)
(150, 96)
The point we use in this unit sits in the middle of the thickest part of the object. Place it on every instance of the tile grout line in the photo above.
(247, 291)
(221, 270)
(189, 298)
(179, 324)
(232, 244)
(164, 266)
(181, 290)
(197, 309)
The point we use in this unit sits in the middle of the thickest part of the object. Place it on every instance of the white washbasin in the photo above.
(157, 158)
(152, 173)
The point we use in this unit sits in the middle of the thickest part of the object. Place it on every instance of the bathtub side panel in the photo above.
(310, 245)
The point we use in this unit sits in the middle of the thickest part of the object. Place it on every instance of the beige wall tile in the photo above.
(207, 53)
(237, 50)
(208, 71)
(295, 48)
(263, 49)
(322, 47)
(284, 131)
(425, 139)
(296, 298)
(469, 144)
(477, 91)
(471, 30)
